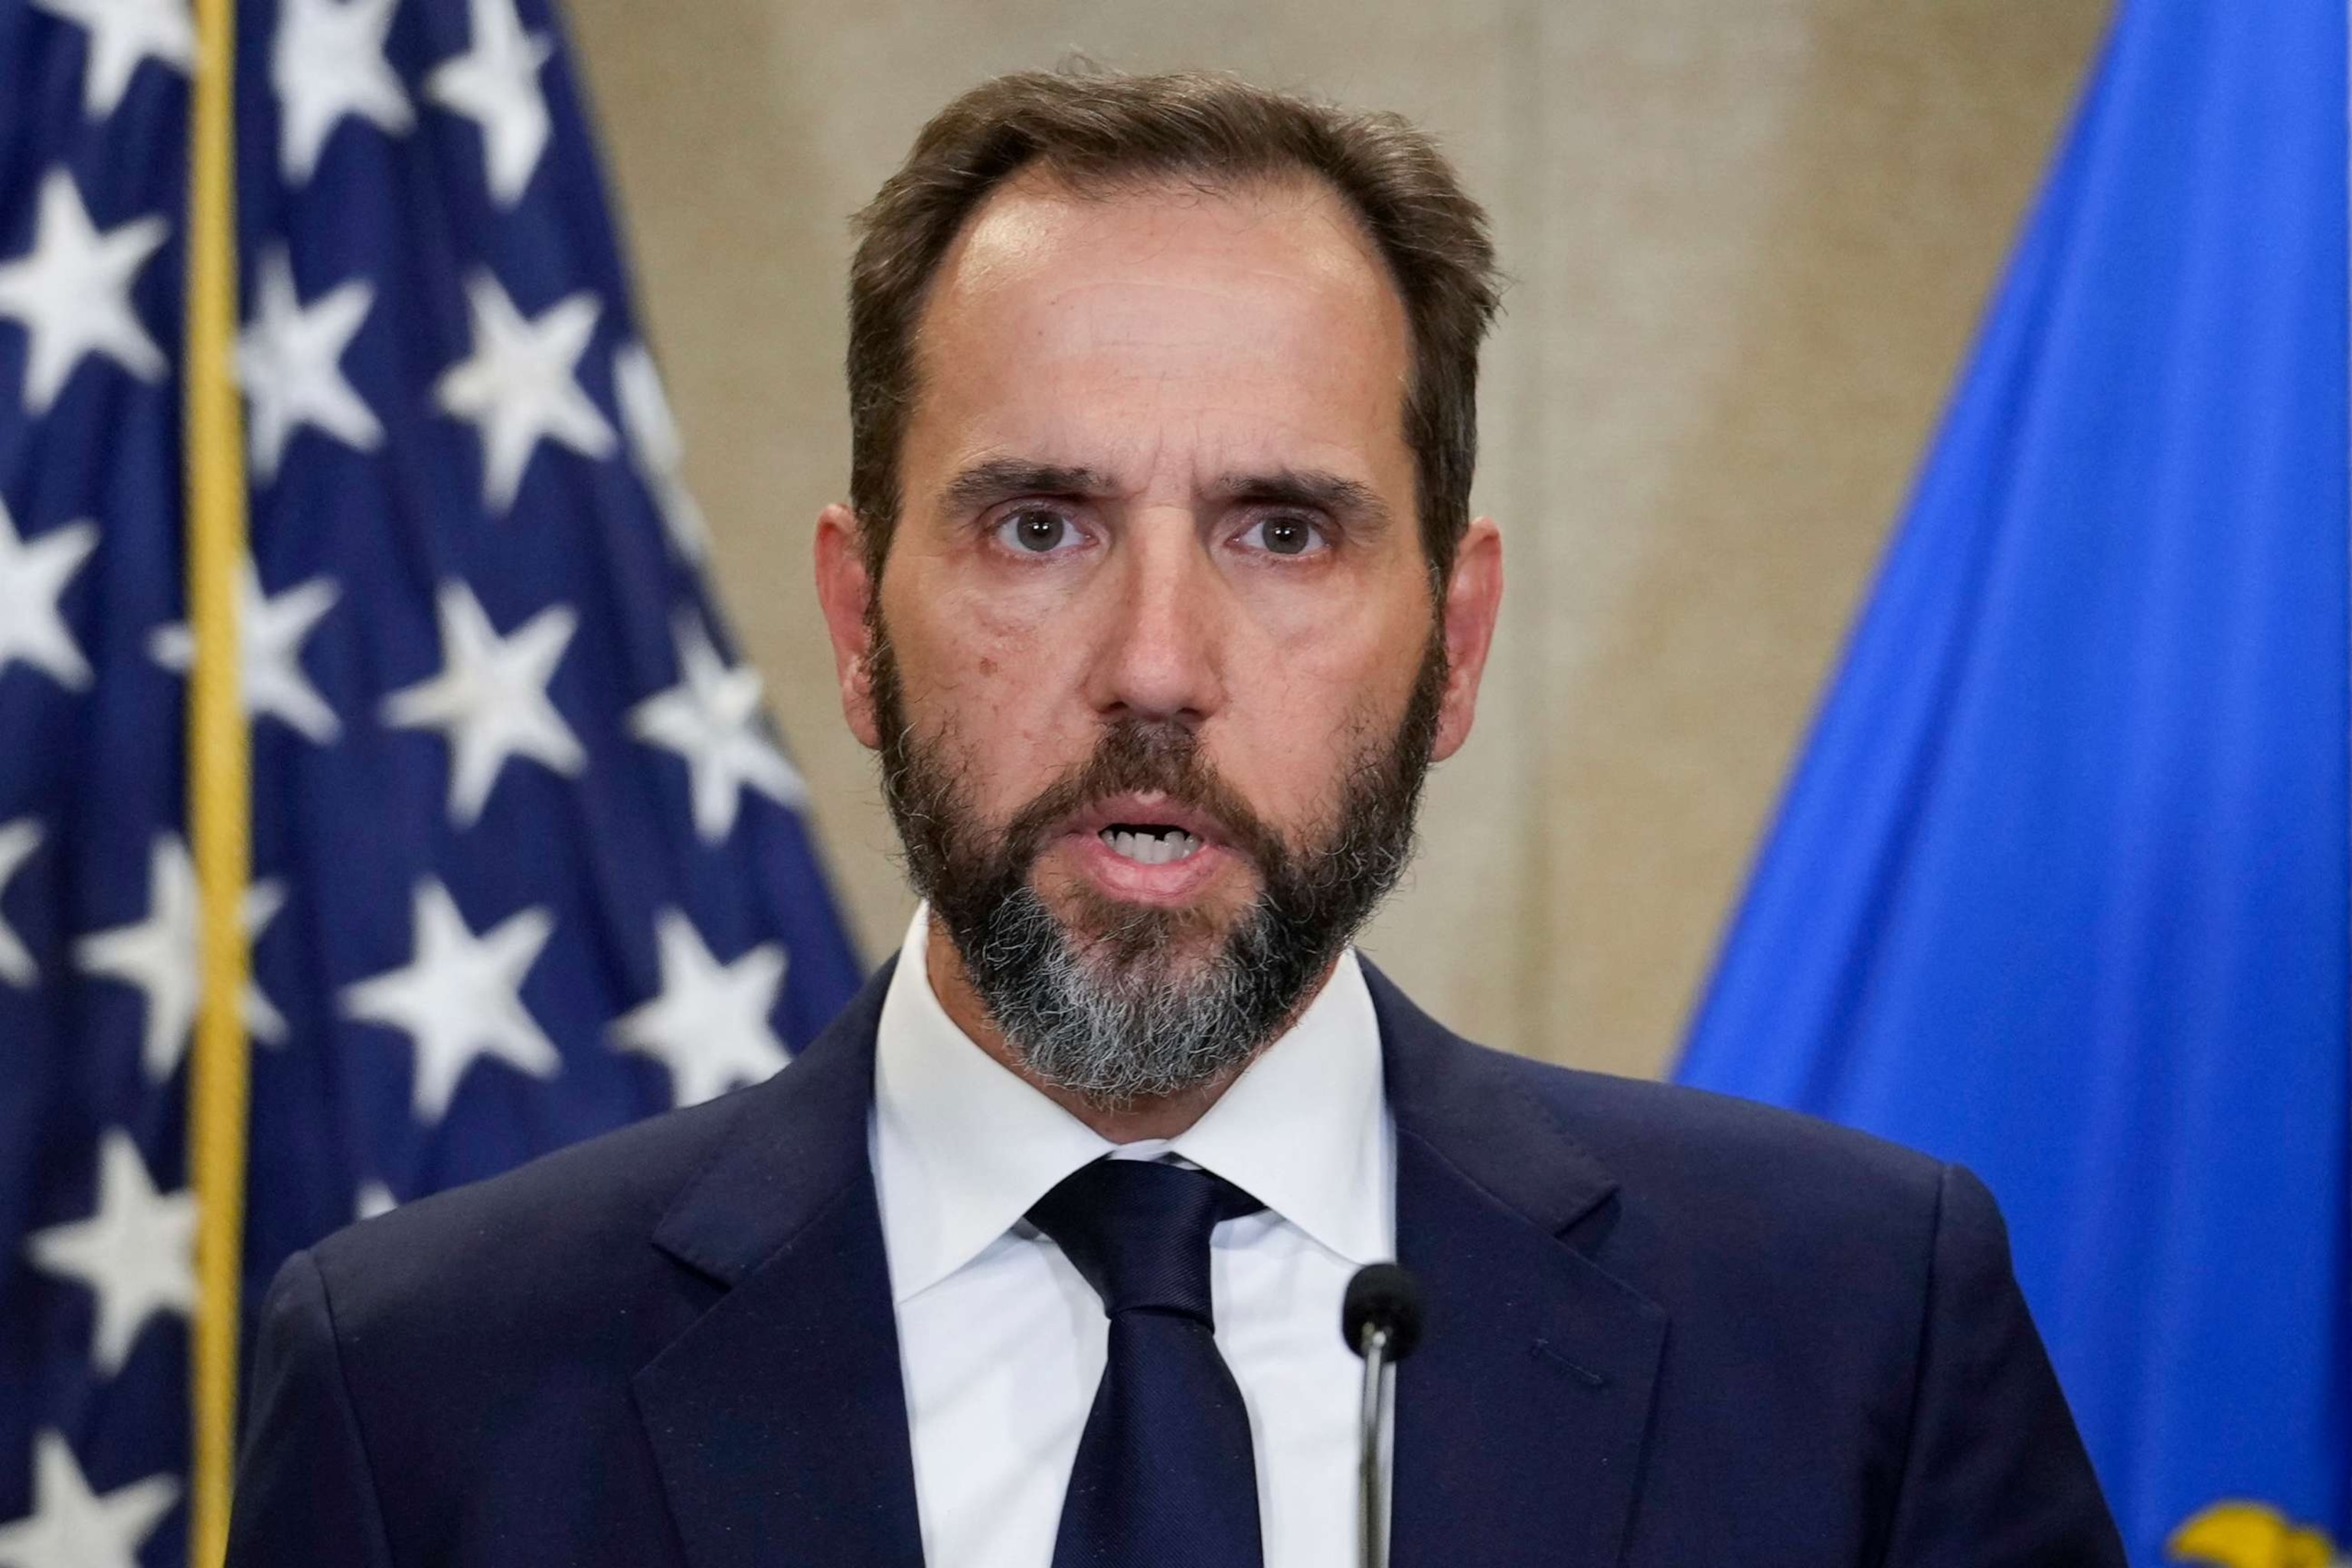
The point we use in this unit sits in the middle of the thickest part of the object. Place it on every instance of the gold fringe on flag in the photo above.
(219, 787)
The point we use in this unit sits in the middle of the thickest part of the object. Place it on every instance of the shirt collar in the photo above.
(963, 1147)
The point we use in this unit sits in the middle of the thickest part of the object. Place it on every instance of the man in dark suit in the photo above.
(1158, 593)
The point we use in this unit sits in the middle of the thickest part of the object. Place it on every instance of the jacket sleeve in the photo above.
(1995, 1476)
(305, 1492)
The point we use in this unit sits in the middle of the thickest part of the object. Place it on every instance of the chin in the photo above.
(1162, 942)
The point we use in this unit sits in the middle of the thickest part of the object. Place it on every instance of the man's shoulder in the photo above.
(1713, 1169)
(1700, 1162)
(575, 1237)
(583, 1215)
(1713, 1137)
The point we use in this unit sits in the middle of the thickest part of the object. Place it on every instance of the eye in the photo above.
(1284, 533)
(1036, 531)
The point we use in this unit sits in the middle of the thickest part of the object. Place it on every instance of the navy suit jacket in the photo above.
(1665, 1330)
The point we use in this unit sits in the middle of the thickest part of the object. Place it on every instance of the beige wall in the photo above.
(1750, 239)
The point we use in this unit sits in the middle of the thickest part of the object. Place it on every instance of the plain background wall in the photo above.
(1749, 239)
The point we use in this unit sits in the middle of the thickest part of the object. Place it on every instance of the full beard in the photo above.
(1131, 1002)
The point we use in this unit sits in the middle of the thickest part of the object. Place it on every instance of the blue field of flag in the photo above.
(2060, 888)
(528, 858)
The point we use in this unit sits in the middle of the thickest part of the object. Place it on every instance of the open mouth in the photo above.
(1149, 844)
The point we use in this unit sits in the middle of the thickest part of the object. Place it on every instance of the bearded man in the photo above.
(1156, 595)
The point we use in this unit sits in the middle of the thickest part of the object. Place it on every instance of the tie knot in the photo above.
(1138, 1232)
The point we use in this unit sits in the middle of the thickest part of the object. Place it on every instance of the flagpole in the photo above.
(219, 791)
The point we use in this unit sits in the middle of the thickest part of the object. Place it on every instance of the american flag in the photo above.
(527, 856)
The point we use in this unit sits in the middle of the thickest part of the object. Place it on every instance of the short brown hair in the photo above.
(1089, 127)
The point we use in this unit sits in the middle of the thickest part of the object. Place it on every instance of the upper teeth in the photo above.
(1153, 847)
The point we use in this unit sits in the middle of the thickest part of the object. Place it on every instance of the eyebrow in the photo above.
(984, 484)
(1311, 490)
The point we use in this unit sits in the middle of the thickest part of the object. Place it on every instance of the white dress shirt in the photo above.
(1002, 1344)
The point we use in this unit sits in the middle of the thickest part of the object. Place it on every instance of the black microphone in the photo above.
(1381, 1318)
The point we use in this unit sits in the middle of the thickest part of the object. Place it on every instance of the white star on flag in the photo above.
(72, 1527)
(373, 1198)
(712, 718)
(270, 633)
(288, 360)
(18, 840)
(496, 84)
(32, 578)
(654, 443)
(327, 64)
(136, 1254)
(122, 34)
(161, 956)
(491, 698)
(72, 292)
(459, 998)
(710, 1025)
(518, 387)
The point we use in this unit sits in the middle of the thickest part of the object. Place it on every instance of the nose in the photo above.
(1160, 655)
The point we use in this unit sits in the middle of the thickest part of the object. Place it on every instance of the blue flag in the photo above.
(528, 861)
(2060, 888)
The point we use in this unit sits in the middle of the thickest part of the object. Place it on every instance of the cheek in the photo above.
(990, 675)
(1301, 719)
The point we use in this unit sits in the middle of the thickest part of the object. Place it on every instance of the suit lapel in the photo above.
(779, 1418)
(1519, 1422)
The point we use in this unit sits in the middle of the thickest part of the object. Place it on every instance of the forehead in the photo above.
(1245, 325)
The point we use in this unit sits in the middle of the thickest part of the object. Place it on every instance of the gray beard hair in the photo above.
(1137, 1032)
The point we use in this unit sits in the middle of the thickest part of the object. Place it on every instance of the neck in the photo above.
(1125, 1122)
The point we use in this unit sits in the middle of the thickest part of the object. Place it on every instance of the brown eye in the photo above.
(1285, 535)
(1036, 532)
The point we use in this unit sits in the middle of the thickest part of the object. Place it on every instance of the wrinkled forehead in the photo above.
(1157, 318)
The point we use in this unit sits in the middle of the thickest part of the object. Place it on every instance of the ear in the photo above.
(846, 592)
(1473, 597)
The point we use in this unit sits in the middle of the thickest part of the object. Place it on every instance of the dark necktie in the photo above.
(1164, 1477)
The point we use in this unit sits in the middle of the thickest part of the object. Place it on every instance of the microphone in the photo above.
(1381, 1318)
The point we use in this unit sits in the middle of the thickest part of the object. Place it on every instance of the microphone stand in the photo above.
(1381, 1321)
(1379, 1385)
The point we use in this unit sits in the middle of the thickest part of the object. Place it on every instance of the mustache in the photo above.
(1144, 756)
(1133, 755)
